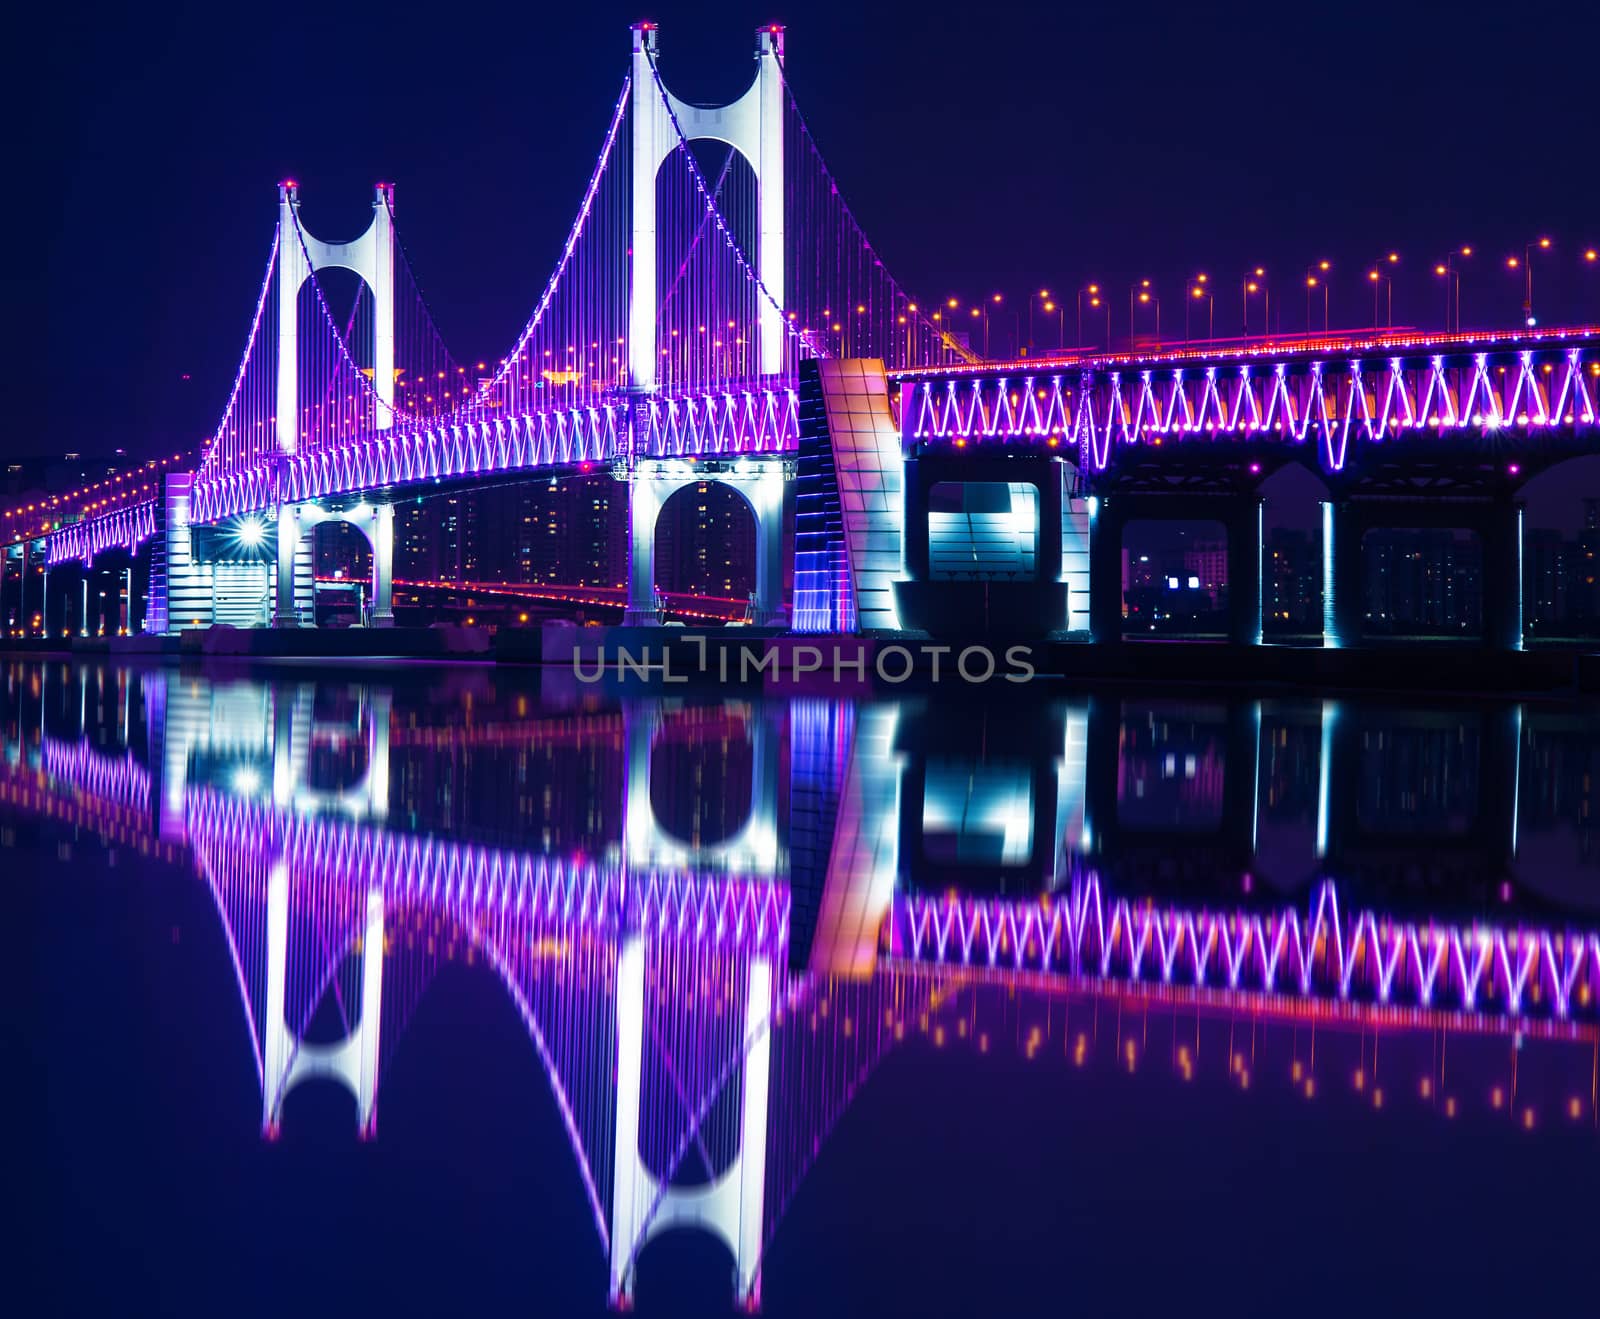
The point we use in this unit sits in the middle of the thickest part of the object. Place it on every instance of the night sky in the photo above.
(984, 147)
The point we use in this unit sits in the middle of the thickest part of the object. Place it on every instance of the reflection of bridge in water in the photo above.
(706, 1003)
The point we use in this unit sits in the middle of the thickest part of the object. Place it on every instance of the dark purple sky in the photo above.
(984, 147)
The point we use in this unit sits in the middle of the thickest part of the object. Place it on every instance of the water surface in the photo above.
(430, 991)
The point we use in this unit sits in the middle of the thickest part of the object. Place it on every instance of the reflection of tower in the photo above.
(731, 1205)
(293, 726)
(752, 850)
(287, 1059)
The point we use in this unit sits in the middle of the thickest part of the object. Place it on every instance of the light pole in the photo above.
(1312, 281)
(1255, 281)
(1061, 323)
(1452, 285)
(1385, 283)
(1138, 294)
(1543, 244)
(1092, 292)
(1044, 298)
(1201, 289)
(1591, 257)
(995, 300)
(980, 313)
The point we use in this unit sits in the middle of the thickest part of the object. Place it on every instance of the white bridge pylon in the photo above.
(731, 1206)
(372, 258)
(752, 126)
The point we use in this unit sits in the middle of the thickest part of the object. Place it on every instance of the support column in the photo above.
(291, 275)
(284, 614)
(44, 600)
(1105, 571)
(1342, 602)
(1502, 575)
(380, 279)
(644, 506)
(382, 533)
(647, 116)
(1244, 574)
(769, 198)
(766, 498)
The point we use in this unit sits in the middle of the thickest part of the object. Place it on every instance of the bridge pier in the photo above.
(1240, 516)
(989, 555)
(761, 482)
(294, 590)
(1497, 521)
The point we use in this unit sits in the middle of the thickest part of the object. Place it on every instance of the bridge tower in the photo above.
(752, 126)
(372, 257)
(731, 1207)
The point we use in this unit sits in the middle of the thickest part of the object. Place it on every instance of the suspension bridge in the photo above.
(717, 314)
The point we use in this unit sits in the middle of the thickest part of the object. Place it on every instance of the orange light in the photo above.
(1466, 251)
(1511, 263)
(1199, 292)
(1591, 255)
(1144, 297)
(1373, 276)
(1311, 281)
(1438, 270)
(1394, 258)
(1324, 265)
(1544, 243)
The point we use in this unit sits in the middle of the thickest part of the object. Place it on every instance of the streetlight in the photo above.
(1044, 296)
(1591, 256)
(1200, 290)
(981, 312)
(1141, 293)
(1311, 282)
(1452, 284)
(1543, 244)
(1061, 323)
(1255, 281)
(1092, 292)
(1381, 281)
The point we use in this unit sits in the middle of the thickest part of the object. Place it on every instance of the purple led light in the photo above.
(1299, 400)
(1491, 970)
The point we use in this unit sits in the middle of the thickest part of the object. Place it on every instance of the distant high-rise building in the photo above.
(1423, 581)
(1291, 562)
(706, 542)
